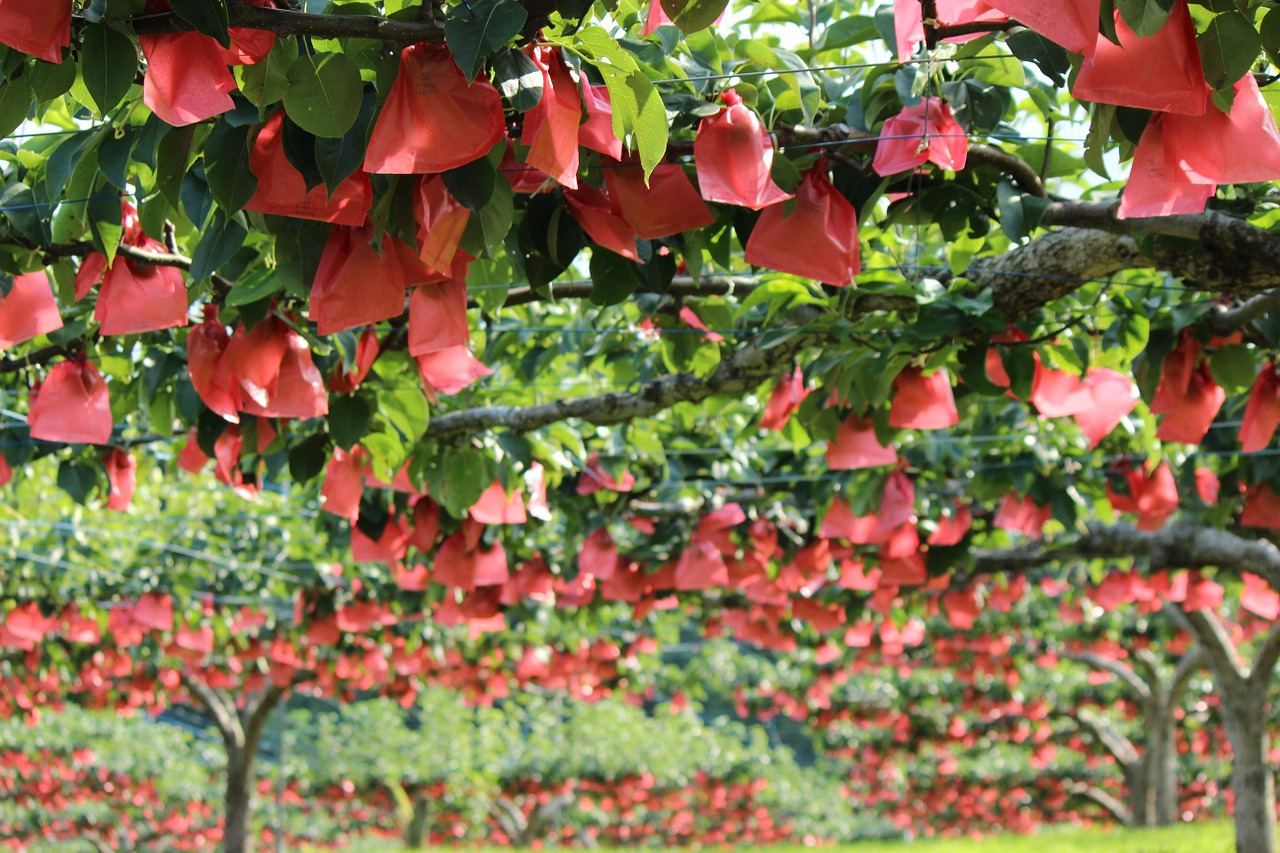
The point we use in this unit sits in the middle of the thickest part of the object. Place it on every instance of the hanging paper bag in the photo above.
(71, 405)
(256, 357)
(668, 205)
(140, 297)
(1070, 23)
(908, 21)
(32, 27)
(442, 219)
(122, 474)
(922, 402)
(733, 156)
(367, 351)
(438, 317)
(596, 132)
(450, 370)
(187, 80)
(788, 393)
(283, 191)
(600, 217)
(433, 120)
(1161, 72)
(28, 310)
(355, 285)
(299, 388)
(817, 240)
(1262, 413)
(344, 482)
(926, 132)
(856, 446)
(1207, 149)
(1157, 186)
(551, 128)
(1190, 415)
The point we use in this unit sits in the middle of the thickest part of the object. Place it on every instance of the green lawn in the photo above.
(1191, 838)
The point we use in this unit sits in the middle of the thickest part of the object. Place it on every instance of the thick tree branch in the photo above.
(1226, 320)
(1147, 668)
(1206, 627)
(740, 372)
(255, 716)
(284, 22)
(1117, 809)
(1264, 659)
(223, 712)
(1174, 546)
(680, 286)
(1188, 665)
(1117, 668)
(1110, 737)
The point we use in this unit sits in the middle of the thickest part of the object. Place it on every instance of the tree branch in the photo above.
(259, 714)
(740, 372)
(1111, 738)
(1188, 665)
(680, 286)
(285, 22)
(1222, 653)
(1174, 546)
(1264, 660)
(1117, 809)
(1105, 664)
(223, 713)
(1226, 320)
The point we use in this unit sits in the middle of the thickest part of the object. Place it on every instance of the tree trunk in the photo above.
(1162, 769)
(1136, 778)
(415, 834)
(237, 834)
(1252, 781)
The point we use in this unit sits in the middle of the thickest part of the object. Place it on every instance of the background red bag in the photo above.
(818, 240)
(283, 191)
(668, 205)
(355, 285)
(29, 310)
(187, 79)
(31, 26)
(551, 128)
(733, 156)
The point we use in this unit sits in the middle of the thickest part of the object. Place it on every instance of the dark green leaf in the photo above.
(77, 480)
(476, 32)
(27, 216)
(51, 80)
(226, 166)
(15, 100)
(1145, 17)
(613, 277)
(207, 16)
(473, 184)
(518, 79)
(1228, 47)
(308, 457)
(338, 159)
(105, 223)
(693, 15)
(349, 419)
(218, 242)
(324, 93)
(108, 61)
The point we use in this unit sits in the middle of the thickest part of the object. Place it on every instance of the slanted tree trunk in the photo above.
(1242, 701)
(241, 729)
(1150, 767)
(415, 832)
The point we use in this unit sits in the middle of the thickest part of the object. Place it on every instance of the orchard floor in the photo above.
(1188, 838)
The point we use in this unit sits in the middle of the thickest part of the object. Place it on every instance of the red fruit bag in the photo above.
(122, 474)
(926, 132)
(354, 284)
(908, 21)
(299, 389)
(367, 351)
(32, 27)
(1113, 396)
(438, 317)
(1157, 186)
(187, 79)
(818, 240)
(1161, 72)
(788, 393)
(1175, 373)
(600, 217)
(442, 219)
(433, 120)
(668, 205)
(139, 297)
(256, 357)
(283, 191)
(733, 156)
(856, 446)
(1157, 499)
(1190, 415)
(1262, 413)
(551, 128)
(344, 482)
(28, 311)
(701, 566)
(1207, 149)
(1070, 23)
(1261, 508)
(450, 370)
(249, 47)
(596, 132)
(923, 402)
(210, 366)
(71, 405)
(495, 506)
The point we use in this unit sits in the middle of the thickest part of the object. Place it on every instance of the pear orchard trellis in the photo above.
(365, 234)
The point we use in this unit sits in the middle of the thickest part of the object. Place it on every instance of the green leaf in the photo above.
(693, 15)
(338, 159)
(308, 457)
(108, 61)
(104, 224)
(256, 289)
(50, 80)
(518, 79)
(324, 94)
(15, 100)
(207, 16)
(489, 226)
(473, 184)
(613, 277)
(1145, 17)
(221, 239)
(266, 82)
(476, 32)
(1233, 368)
(1228, 47)
(77, 479)
(226, 166)
(406, 409)
(349, 419)
(30, 218)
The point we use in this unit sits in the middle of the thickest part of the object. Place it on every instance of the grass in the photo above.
(1188, 838)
